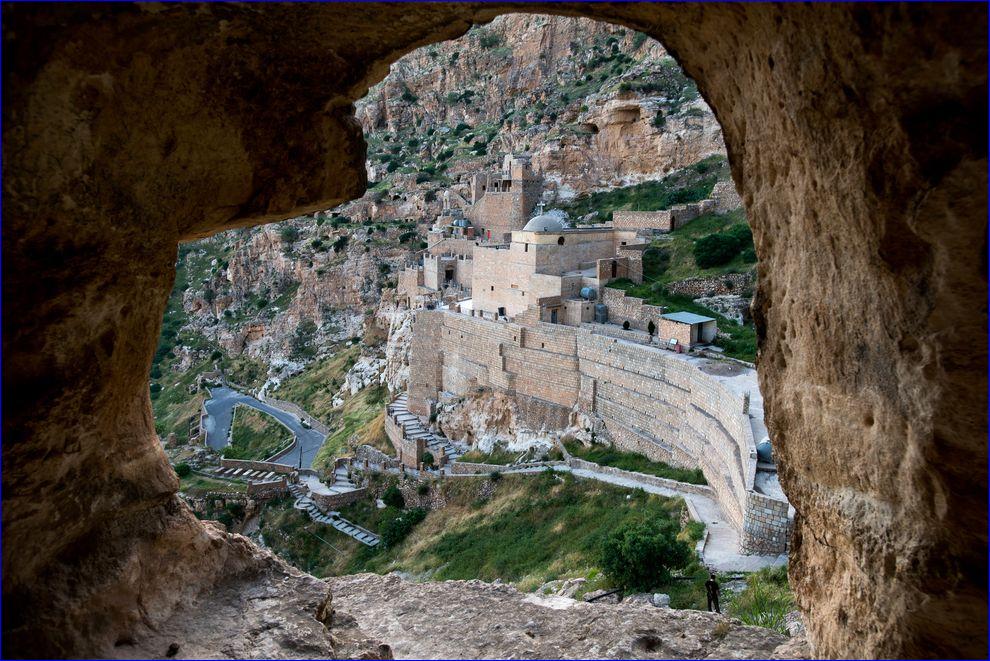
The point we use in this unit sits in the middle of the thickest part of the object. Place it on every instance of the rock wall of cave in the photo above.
(856, 135)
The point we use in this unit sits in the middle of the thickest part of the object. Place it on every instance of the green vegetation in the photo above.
(605, 455)
(718, 249)
(197, 484)
(766, 601)
(255, 435)
(183, 470)
(392, 497)
(687, 185)
(313, 388)
(361, 416)
(397, 528)
(353, 420)
(497, 456)
(532, 529)
(638, 555)
(741, 340)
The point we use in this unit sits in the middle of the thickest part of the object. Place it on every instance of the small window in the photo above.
(542, 345)
(493, 287)
(525, 247)
(560, 241)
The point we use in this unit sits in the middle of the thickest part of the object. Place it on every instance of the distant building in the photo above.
(686, 328)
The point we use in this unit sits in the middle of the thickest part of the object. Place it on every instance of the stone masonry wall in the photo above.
(730, 283)
(650, 401)
(623, 308)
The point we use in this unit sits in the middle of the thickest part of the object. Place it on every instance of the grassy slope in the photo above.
(633, 461)
(766, 600)
(356, 416)
(531, 530)
(198, 484)
(687, 185)
(680, 246)
(313, 388)
(496, 456)
(255, 435)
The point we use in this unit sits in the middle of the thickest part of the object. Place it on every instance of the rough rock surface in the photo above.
(856, 135)
(264, 610)
(487, 419)
(473, 619)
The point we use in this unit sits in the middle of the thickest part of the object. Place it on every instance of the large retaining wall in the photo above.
(649, 400)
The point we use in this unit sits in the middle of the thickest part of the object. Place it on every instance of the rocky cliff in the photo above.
(595, 104)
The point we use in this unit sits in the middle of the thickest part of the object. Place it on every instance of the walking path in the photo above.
(220, 415)
(413, 428)
(333, 519)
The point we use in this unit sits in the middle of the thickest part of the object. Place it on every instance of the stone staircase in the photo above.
(413, 428)
(245, 474)
(333, 519)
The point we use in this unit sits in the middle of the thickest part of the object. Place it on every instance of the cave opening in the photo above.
(81, 326)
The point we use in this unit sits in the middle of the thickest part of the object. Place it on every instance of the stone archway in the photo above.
(856, 135)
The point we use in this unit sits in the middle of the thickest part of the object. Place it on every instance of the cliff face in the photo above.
(595, 104)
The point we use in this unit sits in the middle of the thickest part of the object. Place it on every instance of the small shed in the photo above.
(687, 328)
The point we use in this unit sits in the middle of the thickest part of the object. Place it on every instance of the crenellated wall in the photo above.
(650, 400)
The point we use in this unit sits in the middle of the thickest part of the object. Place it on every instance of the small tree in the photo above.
(428, 460)
(183, 469)
(393, 498)
(639, 555)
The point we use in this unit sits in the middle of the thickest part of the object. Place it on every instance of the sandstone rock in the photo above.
(427, 620)
(856, 138)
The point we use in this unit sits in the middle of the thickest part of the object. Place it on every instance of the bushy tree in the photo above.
(715, 250)
(398, 527)
(392, 497)
(182, 470)
(639, 555)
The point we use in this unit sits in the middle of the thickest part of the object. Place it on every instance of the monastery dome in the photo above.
(544, 223)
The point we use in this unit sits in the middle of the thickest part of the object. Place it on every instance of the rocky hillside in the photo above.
(597, 106)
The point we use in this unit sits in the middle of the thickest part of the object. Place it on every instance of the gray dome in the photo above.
(544, 223)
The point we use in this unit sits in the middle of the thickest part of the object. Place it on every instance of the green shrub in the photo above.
(766, 600)
(659, 121)
(638, 39)
(428, 460)
(288, 234)
(490, 39)
(495, 476)
(423, 489)
(715, 250)
(639, 555)
(408, 96)
(392, 497)
(748, 255)
(398, 527)
(183, 469)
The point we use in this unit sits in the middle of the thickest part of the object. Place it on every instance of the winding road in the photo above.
(220, 415)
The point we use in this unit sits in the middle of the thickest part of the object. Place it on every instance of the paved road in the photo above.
(220, 414)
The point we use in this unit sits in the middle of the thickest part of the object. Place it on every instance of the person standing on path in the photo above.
(711, 589)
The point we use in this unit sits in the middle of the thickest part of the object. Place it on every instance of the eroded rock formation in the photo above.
(856, 136)
(506, 623)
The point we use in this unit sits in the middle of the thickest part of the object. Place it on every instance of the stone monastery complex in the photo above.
(517, 304)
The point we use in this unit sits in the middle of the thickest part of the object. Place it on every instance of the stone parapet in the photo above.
(653, 480)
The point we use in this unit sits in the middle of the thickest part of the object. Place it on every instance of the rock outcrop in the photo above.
(428, 620)
(856, 135)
